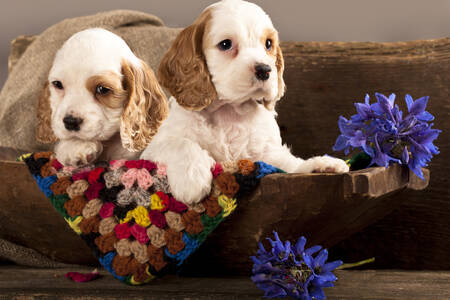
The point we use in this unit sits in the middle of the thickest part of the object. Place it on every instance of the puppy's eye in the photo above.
(101, 90)
(225, 45)
(58, 84)
(268, 44)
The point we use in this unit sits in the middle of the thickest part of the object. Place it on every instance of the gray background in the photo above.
(296, 20)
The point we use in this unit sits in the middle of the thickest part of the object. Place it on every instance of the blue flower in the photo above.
(381, 131)
(292, 270)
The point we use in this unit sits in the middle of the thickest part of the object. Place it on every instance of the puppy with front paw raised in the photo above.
(100, 101)
(225, 72)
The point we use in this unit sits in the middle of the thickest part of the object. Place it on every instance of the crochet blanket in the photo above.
(126, 214)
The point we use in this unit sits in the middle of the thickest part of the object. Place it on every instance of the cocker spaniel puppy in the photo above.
(100, 100)
(225, 72)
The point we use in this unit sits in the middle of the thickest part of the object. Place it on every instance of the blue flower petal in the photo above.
(369, 150)
(260, 278)
(358, 140)
(419, 106)
(367, 99)
(380, 158)
(275, 292)
(346, 127)
(428, 136)
(425, 116)
(320, 259)
(317, 293)
(326, 277)
(375, 107)
(419, 148)
(407, 123)
(328, 267)
(309, 261)
(384, 103)
(341, 143)
(300, 245)
(433, 149)
(409, 101)
(313, 249)
(363, 110)
(327, 284)
(413, 166)
(391, 99)
(397, 114)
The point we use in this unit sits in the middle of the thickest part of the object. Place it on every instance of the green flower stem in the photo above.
(356, 264)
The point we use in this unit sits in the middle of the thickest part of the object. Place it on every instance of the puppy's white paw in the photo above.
(323, 164)
(190, 183)
(77, 152)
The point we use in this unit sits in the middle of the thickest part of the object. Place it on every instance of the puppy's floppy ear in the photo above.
(183, 70)
(145, 108)
(279, 63)
(44, 132)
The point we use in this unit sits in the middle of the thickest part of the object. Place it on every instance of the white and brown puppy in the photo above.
(226, 73)
(100, 100)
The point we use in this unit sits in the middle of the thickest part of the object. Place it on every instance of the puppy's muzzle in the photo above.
(72, 123)
(262, 71)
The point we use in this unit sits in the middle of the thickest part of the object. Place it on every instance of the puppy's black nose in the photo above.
(71, 123)
(262, 71)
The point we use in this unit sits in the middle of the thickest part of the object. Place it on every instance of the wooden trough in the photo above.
(326, 208)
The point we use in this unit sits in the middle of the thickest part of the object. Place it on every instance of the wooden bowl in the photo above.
(326, 208)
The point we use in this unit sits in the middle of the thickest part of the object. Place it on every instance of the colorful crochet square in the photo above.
(126, 214)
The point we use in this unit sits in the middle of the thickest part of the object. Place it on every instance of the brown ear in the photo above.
(183, 70)
(44, 132)
(279, 63)
(145, 109)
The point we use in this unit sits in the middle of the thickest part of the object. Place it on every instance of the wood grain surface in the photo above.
(24, 283)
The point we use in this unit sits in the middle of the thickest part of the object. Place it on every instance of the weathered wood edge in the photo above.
(371, 182)
(399, 49)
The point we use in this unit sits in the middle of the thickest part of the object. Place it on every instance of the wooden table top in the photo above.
(31, 283)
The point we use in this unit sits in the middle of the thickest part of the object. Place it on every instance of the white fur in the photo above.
(235, 126)
(85, 54)
(233, 77)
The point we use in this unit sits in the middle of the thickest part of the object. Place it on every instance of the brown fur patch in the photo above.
(270, 33)
(280, 67)
(44, 132)
(116, 97)
(275, 51)
(183, 70)
(146, 106)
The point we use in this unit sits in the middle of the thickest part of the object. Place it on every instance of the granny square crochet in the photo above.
(126, 214)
